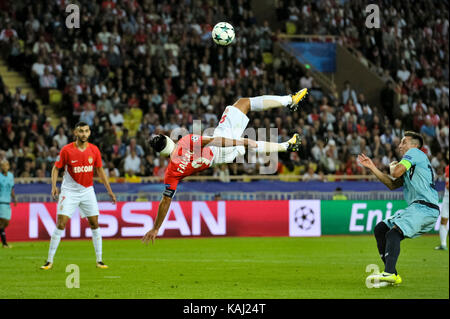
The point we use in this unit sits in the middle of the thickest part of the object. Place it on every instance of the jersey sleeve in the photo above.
(61, 160)
(411, 158)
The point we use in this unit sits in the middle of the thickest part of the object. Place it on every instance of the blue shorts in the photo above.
(414, 220)
(5, 211)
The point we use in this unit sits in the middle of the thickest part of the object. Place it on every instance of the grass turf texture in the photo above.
(274, 268)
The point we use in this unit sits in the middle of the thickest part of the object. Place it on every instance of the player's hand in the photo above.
(365, 161)
(55, 193)
(150, 235)
(113, 198)
(15, 202)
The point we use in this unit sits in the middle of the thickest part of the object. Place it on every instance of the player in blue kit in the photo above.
(6, 193)
(415, 174)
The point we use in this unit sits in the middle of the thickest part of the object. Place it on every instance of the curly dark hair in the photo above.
(158, 142)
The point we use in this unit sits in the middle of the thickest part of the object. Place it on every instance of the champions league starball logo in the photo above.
(304, 218)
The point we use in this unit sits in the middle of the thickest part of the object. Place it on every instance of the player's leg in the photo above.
(443, 233)
(55, 240)
(5, 216)
(67, 204)
(267, 102)
(443, 226)
(393, 238)
(89, 209)
(388, 235)
(3, 224)
(380, 231)
(96, 240)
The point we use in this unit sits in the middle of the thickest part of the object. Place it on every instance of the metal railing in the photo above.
(230, 195)
(208, 178)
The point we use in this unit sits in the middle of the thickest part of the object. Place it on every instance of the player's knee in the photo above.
(243, 104)
(444, 221)
(61, 225)
(394, 233)
(380, 229)
(93, 224)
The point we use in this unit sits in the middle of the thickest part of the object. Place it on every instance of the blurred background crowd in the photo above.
(138, 68)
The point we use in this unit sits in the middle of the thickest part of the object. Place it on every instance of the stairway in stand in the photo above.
(13, 80)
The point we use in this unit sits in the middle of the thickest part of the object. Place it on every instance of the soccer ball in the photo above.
(223, 33)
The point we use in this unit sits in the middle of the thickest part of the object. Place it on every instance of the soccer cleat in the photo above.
(7, 246)
(101, 265)
(48, 265)
(391, 278)
(296, 98)
(294, 143)
(440, 247)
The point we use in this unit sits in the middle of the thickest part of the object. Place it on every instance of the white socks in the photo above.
(54, 242)
(270, 147)
(443, 235)
(265, 102)
(97, 241)
(56, 238)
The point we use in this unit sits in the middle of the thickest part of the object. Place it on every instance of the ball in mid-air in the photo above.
(223, 33)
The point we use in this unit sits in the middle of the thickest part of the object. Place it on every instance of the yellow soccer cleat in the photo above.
(48, 265)
(294, 143)
(390, 278)
(101, 265)
(297, 97)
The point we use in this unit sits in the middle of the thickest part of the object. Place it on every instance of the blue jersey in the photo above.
(6, 186)
(418, 180)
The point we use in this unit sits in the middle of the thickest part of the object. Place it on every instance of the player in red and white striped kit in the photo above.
(195, 153)
(79, 159)
(444, 215)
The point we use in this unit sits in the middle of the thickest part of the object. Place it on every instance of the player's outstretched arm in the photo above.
(384, 178)
(163, 208)
(228, 142)
(101, 174)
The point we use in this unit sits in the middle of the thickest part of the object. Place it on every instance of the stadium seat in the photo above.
(267, 58)
(55, 97)
(291, 28)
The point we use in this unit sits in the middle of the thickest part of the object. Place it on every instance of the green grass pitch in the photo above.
(273, 268)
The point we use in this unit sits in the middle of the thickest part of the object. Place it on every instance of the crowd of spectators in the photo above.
(155, 61)
(410, 54)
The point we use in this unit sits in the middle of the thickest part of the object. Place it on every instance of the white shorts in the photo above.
(232, 125)
(444, 210)
(86, 200)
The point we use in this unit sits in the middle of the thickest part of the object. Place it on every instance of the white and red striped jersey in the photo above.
(79, 166)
